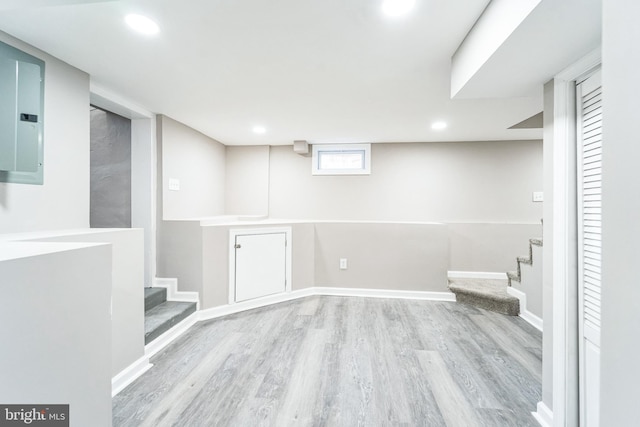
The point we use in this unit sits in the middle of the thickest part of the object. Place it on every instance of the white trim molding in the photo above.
(564, 241)
(171, 285)
(169, 336)
(543, 415)
(526, 315)
(476, 275)
(129, 374)
(224, 310)
(383, 293)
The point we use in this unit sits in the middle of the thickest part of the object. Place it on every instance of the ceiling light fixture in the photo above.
(397, 7)
(142, 24)
(259, 129)
(438, 125)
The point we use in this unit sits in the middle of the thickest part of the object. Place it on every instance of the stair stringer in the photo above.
(526, 284)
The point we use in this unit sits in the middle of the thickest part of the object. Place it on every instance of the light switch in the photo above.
(538, 196)
(343, 263)
(174, 184)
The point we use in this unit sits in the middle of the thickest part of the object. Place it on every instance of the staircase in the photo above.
(492, 294)
(161, 315)
(517, 275)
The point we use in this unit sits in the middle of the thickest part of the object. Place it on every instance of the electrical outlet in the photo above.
(174, 184)
(343, 263)
(538, 196)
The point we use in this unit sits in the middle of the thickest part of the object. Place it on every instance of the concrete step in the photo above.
(485, 293)
(164, 316)
(154, 297)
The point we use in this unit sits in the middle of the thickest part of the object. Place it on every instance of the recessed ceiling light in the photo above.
(259, 129)
(142, 24)
(397, 7)
(438, 125)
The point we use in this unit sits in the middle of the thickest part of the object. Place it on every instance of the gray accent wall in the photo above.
(110, 200)
(489, 247)
(408, 257)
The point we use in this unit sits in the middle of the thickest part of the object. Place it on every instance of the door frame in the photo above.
(233, 233)
(566, 406)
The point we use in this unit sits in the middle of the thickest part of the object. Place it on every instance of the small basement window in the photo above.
(341, 159)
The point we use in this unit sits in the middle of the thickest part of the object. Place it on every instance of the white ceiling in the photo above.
(320, 70)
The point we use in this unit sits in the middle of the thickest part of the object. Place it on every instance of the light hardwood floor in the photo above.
(343, 361)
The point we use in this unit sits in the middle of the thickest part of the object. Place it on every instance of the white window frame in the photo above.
(318, 149)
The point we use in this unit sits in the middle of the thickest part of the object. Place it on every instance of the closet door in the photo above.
(589, 114)
(260, 265)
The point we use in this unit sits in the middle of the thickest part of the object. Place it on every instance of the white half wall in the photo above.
(127, 289)
(55, 312)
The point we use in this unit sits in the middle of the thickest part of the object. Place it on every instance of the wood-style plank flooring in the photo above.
(343, 361)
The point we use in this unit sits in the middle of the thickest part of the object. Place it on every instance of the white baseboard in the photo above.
(543, 415)
(526, 315)
(171, 285)
(215, 312)
(224, 310)
(476, 275)
(383, 293)
(129, 374)
(168, 337)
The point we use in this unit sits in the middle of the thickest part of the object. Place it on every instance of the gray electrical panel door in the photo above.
(21, 116)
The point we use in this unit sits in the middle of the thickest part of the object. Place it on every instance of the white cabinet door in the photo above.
(589, 94)
(260, 265)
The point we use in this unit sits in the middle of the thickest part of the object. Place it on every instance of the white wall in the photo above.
(547, 262)
(198, 162)
(620, 371)
(63, 200)
(247, 180)
(56, 345)
(444, 182)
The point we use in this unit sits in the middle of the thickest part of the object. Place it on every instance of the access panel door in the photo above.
(260, 265)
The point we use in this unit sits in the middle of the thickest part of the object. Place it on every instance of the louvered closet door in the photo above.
(589, 102)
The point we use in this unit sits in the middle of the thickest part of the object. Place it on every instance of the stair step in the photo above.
(513, 276)
(162, 317)
(525, 260)
(488, 294)
(154, 297)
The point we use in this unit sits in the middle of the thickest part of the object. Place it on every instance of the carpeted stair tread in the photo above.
(525, 260)
(537, 241)
(484, 293)
(513, 275)
(162, 317)
(154, 297)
